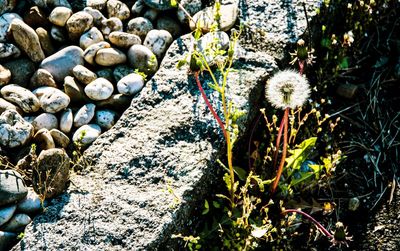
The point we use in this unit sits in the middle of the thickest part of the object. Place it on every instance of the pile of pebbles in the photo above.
(18, 204)
(66, 75)
(78, 71)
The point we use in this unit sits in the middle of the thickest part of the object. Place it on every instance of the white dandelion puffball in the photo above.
(287, 89)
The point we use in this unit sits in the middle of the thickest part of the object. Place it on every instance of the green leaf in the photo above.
(181, 63)
(216, 204)
(344, 64)
(198, 32)
(326, 43)
(241, 173)
(300, 154)
(227, 179)
(206, 208)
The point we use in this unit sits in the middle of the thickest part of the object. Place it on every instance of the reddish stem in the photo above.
(282, 163)
(203, 94)
(310, 218)
(301, 66)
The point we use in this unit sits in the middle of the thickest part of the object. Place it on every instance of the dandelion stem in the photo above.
(310, 218)
(285, 139)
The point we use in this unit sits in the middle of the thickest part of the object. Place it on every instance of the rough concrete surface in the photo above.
(167, 133)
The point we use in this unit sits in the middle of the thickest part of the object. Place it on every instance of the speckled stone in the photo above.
(8, 50)
(106, 118)
(83, 74)
(158, 41)
(99, 89)
(90, 53)
(14, 132)
(142, 58)
(27, 39)
(139, 26)
(52, 100)
(45, 120)
(42, 78)
(22, 97)
(86, 134)
(90, 37)
(110, 57)
(111, 24)
(5, 21)
(84, 115)
(78, 23)
(124, 39)
(118, 9)
(60, 15)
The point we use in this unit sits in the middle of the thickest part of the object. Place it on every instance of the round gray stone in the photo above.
(27, 39)
(22, 97)
(124, 39)
(90, 53)
(99, 89)
(6, 213)
(110, 57)
(45, 120)
(130, 84)
(86, 134)
(139, 26)
(78, 23)
(30, 204)
(60, 15)
(5, 21)
(84, 115)
(90, 37)
(142, 58)
(118, 9)
(158, 41)
(68, 58)
(106, 118)
(17, 223)
(53, 100)
(66, 120)
(12, 187)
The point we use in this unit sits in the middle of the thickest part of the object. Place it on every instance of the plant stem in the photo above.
(203, 94)
(285, 139)
(222, 126)
(310, 218)
(278, 142)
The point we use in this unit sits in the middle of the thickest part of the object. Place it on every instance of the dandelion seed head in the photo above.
(287, 89)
